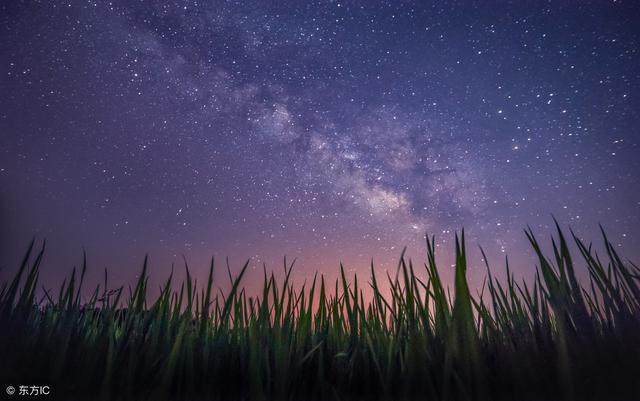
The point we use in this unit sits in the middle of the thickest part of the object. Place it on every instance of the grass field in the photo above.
(554, 338)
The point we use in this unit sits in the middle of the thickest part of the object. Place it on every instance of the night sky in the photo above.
(327, 132)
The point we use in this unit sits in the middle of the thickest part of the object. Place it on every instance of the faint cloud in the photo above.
(277, 123)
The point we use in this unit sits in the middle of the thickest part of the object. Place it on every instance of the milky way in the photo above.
(323, 131)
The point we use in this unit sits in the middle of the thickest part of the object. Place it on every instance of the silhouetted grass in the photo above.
(548, 339)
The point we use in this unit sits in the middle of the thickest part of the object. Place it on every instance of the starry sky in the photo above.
(323, 131)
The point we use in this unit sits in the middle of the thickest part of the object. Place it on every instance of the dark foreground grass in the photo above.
(550, 339)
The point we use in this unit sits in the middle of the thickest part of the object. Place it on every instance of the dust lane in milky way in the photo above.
(324, 131)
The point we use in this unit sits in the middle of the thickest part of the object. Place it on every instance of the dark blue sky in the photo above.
(324, 131)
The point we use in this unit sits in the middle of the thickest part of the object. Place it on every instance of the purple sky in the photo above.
(322, 131)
